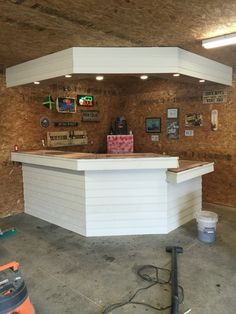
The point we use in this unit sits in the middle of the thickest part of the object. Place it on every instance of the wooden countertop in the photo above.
(187, 164)
(77, 155)
(93, 162)
(183, 164)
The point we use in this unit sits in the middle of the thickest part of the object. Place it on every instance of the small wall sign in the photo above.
(66, 124)
(90, 115)
(214, 96)
(155, 138)
(189, 132)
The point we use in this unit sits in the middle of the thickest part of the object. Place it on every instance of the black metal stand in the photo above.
(174, 250)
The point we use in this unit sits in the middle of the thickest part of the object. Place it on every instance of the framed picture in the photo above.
(193, 119)
(172, 128)
(153, 125)
(85, 100)
(66, 105)
(173, 113)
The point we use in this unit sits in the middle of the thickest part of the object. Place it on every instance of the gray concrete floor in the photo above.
(67, 273)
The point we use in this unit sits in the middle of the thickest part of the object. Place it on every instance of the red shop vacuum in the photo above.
(14, 297)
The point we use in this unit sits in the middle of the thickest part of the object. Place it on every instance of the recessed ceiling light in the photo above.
(68, 75)
(176, 74)
(219, 41)
(99, 78)
(201, 81)
(144, 77)
(36, 83)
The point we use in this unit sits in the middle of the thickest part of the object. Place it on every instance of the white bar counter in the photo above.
(104, 195)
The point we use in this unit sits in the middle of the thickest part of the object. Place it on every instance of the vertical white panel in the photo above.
(56, 196)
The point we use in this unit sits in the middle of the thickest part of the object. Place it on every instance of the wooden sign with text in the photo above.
(90, 115)
(214, 96)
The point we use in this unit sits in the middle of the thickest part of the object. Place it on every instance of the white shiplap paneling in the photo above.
(57, 197)
(104, 203)
(184, 201)
(126, 202)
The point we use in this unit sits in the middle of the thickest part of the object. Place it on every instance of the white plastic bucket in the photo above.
(206, 222)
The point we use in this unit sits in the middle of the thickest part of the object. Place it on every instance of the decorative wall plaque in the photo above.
(44, 122)
(90, 115)
(48, 102)
(66, 124)
(66, 138)
(189, 132)
(155, 138)
(214, 96)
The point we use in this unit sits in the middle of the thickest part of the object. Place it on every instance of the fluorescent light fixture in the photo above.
(36, 83)
(176, 74)
(144, 77)
(219, 41)
(99, 78)
(201, 81)
(68, 75)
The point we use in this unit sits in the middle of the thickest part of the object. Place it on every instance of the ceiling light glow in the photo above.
(219, 41)
(143, 77)
(176, 74)
(99, 78)
(201, 81)
(68, 75)
(36, 83)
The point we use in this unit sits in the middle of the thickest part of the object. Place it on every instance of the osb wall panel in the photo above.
(20, 112)
(153, 97)
(113, 23)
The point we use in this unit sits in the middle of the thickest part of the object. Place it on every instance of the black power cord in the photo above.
(154, 280)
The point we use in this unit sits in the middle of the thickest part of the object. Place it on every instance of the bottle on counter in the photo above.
(16, 148)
